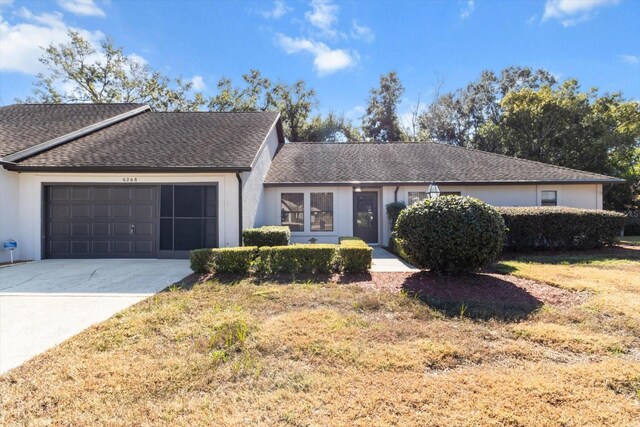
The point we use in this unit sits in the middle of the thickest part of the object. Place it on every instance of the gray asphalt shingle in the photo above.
(25, 125)
(298, 163)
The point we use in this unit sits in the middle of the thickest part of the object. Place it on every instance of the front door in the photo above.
(365, 216)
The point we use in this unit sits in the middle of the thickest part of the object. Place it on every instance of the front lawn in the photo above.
(554, 341)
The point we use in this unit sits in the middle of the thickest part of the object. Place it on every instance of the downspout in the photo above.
(239, 177)
(395, 193)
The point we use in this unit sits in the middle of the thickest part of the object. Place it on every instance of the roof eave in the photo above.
(128, 169)
(427, 182)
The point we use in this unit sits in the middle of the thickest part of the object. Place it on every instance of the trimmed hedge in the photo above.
(302, 258)
(354, 255)
(560, 228)
(632, 226)
(393, 210)
(223, 260)
(451, 234)
(271, 235)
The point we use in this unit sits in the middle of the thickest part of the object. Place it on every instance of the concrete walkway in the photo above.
(43, 303)
(384, 261)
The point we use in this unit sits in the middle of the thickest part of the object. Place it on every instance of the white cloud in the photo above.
(630, 59)
(323, 15)
(279, 9)
(467, 10)
(325, 60)
(198, 83)
(82, 7)
(362, 32)
(5, 2)
(572, 12)
(21, 43)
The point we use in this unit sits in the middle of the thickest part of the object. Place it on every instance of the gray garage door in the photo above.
(101, 221)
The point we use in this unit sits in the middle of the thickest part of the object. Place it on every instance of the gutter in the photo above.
(239, 177)
(395, 183)
(395, 193)
(28, 152)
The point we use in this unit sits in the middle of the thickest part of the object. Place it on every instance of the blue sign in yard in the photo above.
(10, 244)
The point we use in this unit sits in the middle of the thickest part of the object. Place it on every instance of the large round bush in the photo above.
(451, 234)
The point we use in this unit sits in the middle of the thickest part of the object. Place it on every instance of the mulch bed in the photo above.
(482, 287)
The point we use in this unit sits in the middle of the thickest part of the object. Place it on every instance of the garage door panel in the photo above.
(144, 229)
(101, 211)
(79, 229)
(144, 211)
(81, 193)
(59, 193)
(122, 247)
(101, 229)
(80, 211)
(60, 212)
(59, 229)
(121, 211)
(144, 194)
(102, 194)
(144, 246)
(59, 247)
(121, 229)
(121, 194)
(101, 247)
(80, 247)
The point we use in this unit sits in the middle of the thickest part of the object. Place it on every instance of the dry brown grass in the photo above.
(332, 354)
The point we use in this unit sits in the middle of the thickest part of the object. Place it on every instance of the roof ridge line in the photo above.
(38, 148)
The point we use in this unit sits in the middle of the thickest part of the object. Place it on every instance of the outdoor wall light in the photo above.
(434, 191)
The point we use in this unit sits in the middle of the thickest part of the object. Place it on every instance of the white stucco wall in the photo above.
(583, 196)
(342, 212)
(9, 213)
(30, 201)
(253, 191)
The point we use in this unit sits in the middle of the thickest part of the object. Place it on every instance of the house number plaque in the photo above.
(129, 179)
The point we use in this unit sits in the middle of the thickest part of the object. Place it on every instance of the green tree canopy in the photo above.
(380, 122)
(78, 72)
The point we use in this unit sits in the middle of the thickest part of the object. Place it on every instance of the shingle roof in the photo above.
(340, 163)
(25, 125)
(164, 140)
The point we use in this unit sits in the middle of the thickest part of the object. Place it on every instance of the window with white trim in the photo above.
(292, 211)
(549, 198)
(321, 211)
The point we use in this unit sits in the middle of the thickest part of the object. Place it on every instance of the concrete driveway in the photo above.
(43, 303)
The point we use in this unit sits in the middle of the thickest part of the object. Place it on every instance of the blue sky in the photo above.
(339, 47)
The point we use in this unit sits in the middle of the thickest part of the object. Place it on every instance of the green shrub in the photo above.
(354, 255)
(271, 235)
(393, 210)
(451, 234)
(395, 246)
(349, 239)
(223, 260)
(560, 228)
(303, 258)
(632, 226)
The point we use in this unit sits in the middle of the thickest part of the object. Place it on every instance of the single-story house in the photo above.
(120, 180)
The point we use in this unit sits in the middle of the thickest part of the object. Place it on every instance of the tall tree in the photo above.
(78, 72)
(455, 117)
(567, 127)
(330, 128)
(380, 122)
(252, 97)
(295, 103)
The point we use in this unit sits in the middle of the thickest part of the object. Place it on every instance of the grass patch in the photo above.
(630, 240)
(343, 354)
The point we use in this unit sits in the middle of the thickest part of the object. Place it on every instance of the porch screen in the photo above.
(321, 211)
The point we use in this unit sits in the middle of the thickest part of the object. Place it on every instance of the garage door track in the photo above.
(43, 303)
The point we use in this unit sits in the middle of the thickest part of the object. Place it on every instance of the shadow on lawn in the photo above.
(476, 296)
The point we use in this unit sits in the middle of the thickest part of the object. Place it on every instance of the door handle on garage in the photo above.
(132, 229)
